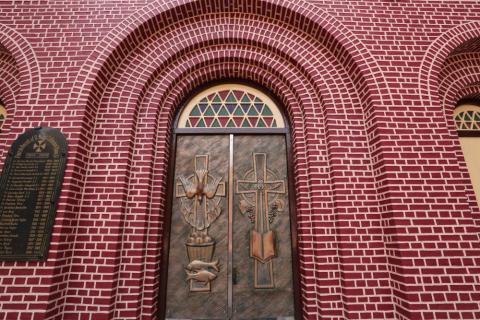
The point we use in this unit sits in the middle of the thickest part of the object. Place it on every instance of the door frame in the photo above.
(285, 132)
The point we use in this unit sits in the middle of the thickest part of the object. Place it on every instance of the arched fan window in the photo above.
(231, 106)
(3, 115)
(467, 123)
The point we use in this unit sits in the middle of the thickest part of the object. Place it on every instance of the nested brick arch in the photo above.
(20, 76)
(28, 76)
(459, 80)
(133, 86)
(459, 39)
(9, 90)
(459, 73)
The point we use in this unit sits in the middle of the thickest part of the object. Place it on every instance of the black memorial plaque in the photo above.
(30, 185)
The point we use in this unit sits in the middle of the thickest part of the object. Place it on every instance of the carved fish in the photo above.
(198, 264)
(201, 276)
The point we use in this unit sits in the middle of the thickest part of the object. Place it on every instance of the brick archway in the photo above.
(132, 87)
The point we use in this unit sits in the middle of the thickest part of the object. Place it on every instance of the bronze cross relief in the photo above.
(200, 206)
(262, 238)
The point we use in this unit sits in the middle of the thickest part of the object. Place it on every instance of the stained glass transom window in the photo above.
(467, 117)
(231, 106)
(3, 115)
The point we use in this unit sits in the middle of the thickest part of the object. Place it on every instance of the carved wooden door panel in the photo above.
(230, 242)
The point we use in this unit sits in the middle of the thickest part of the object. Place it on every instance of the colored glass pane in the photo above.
(195, 112)
(259, 107)
(231, 98)
(3, 116)
(268, 121)
(252, 112)
(238, 112)
(209, 112)
(194, 121)
(217, 99)
(223, 111)
(202, 106)
(246, 124)
(266, 111)
(208, 121)
(245, 99)
(223, 94)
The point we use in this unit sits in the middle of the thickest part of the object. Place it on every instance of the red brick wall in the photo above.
(387, 221)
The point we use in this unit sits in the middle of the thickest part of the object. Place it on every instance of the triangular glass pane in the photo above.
(238, 94)
(274, 124)
(463, 127)
(257, 100)
(245, 99)
(253, 111)
(245, 107)
(187, 125)
(216, 124)
(246, 124)
(470, 115)
(231, 124)
(201, 124)
(202, 106)
(231, 98)
(194, 121)
(208, 121)
(261, 124)
(2, 117)
(238, 112)
(259, 107)
(223, 121)
(223, 112)
(216, 107)
(477, 116)
(268, 121)
(458, 116)
(195, 111)
(217, 99)
(231, 107)
(204, 100)
(238, 121)
(223, 94)
(209, 112)
(266, 111)
(458, 124)
(253, 121)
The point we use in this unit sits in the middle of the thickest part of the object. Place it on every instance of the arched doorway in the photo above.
(230, 241)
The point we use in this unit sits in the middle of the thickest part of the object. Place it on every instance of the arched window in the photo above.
(231, 106)
(467, 123)
(3, 115)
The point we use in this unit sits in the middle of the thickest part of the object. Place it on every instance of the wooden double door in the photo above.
(230, 248)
